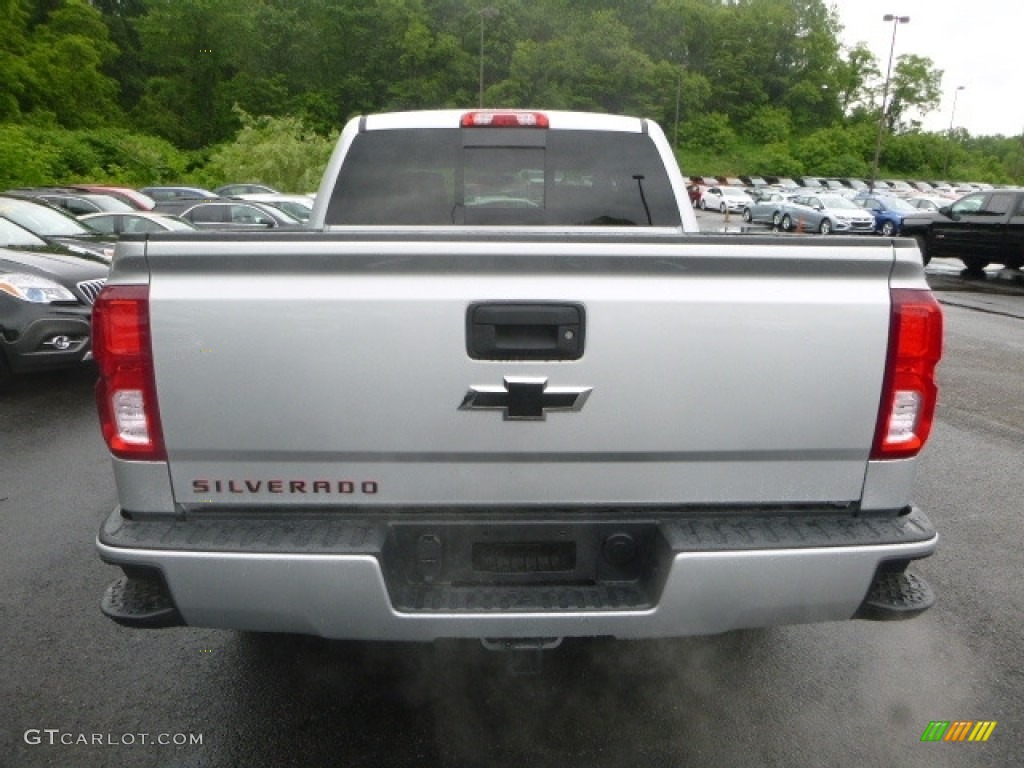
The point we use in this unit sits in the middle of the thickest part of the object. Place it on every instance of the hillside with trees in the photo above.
(152, 91)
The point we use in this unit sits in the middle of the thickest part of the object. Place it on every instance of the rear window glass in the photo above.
(488, 176)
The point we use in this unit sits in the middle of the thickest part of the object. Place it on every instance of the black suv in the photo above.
(46, 297)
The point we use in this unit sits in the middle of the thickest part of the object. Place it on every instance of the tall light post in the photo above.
(488, 13)
(679, 88)
(952, 116)
(896, 21)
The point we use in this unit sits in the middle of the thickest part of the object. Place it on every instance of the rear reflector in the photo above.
(504, 120)
(126, 391)
(909, 393)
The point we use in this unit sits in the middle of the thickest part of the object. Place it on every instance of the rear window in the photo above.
(495, 176)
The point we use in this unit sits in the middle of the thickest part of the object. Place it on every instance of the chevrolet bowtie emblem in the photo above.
(525, 398)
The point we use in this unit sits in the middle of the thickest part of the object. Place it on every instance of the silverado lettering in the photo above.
(755, 404)
(344, 487)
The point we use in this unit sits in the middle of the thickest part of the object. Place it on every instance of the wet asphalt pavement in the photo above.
(845, 694)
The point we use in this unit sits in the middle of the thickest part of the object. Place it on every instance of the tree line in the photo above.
(160, 90)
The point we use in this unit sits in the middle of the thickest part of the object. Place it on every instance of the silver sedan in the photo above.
(825, 214)
(766, 208)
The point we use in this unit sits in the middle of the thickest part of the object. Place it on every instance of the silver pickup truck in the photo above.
(504, 390)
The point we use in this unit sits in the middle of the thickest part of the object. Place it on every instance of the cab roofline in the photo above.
(451, 118)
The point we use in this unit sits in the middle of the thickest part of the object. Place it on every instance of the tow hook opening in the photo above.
(524, 656)
(521, 643)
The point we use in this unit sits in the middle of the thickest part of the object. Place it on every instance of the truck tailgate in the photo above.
(717, 370)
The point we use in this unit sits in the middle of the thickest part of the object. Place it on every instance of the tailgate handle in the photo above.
(509, 331)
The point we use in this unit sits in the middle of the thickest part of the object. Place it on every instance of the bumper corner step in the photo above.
(141, 603)
(895, 596)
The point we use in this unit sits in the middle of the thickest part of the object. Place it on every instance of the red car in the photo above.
(134, 198)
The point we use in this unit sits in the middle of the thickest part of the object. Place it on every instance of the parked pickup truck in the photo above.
(504, 390)
(981, 228)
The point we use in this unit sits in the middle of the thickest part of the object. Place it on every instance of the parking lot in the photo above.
(81, 691)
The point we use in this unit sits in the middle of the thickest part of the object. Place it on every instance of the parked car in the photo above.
(46, 297)
(825, 214)
(928, 202)
(894, 216)
(813, 183)
(730, 181)
(725, 199)
(853, 183)
(766, 208)
(232, 214)
(132, 197)
(899, 188)
(753, 182)
(56, 227)
(170, 194)
(297, 206)
(980, 229)
(118, 224)
(237, 190)
(74, 202)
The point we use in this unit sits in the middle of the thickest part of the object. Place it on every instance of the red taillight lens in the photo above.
(504, 120)
(909, 392)
(126, 391)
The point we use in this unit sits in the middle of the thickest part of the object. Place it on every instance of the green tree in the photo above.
(837, 151)
(39, 156)
(280, 151)
(855, 75)
(592, 66)
(186, 99)
(710, 131)
(775, 159)
(915, 87)
(127, 67)
(774, 52)
(13, 48)
(56, 69)
(769, 125)
(915, 155)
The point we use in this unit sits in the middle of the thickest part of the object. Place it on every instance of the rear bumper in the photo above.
(339, 578)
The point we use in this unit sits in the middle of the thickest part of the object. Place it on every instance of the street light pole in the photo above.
(896, 21)
(952, 115)
(489, 13)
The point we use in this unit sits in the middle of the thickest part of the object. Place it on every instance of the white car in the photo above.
(725, 199)
(298, 206)
(134, 222)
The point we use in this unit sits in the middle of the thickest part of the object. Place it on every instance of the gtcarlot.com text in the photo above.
(56, 737)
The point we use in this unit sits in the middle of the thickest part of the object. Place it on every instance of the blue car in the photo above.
(895, 216)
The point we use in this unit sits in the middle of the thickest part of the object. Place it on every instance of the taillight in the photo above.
(908, 391)
(126, 391)
(494, 119)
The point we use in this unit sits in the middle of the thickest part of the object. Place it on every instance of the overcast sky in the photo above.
(978, 44)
